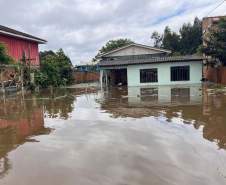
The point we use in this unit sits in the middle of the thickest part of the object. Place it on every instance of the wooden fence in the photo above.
(86, 77)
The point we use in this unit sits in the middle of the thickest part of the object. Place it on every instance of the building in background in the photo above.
(18, 44)
(141, 65)
(212, 71)
(210, 22)
(87, 67)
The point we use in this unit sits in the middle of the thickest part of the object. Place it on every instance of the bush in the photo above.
(56, 70)
(4, 58)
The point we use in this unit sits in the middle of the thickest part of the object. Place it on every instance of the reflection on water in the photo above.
(193, 105)
(139, 135)
(19, 120)
(23, 117)
(164, 95)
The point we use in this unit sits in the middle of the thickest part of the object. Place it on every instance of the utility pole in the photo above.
(22, 77)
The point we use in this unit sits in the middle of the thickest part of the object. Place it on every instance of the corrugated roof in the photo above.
(109, 63)
(8, 31)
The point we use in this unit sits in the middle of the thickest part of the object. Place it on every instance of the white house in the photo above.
(140, 65)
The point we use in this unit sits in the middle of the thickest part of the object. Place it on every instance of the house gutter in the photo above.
(23, 37)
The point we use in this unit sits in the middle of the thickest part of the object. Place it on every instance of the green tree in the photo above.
(43, 54)
(114, 44)
(56, 69)
(65, 65)
(186, 42)
(215, 42)
(157, 38)
(191, 37)
(4, 58)
(171, 40)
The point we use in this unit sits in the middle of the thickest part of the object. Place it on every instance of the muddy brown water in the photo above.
(120, 136)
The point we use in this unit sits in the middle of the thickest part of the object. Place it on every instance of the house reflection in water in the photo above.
(165, 95)
(19, 120)
(193, 105)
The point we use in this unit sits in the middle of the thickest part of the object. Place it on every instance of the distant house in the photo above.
(210, 22)
(89, 67)
(139, 65)
(19, 43)
(212, 71)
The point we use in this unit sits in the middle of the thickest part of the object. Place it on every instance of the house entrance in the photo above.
(118, 77)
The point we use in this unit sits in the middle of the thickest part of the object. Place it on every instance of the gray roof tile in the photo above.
(109, 63)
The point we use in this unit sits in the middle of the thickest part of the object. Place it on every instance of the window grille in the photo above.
(148, 75)
(180, 73)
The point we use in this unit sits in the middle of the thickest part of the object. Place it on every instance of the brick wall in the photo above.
(216, 75)
(85, 77)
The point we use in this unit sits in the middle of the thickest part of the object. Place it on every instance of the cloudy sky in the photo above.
(81, 27)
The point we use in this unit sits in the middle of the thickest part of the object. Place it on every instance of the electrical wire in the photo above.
(221, 3)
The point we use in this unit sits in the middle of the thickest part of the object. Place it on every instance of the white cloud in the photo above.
(82, 27)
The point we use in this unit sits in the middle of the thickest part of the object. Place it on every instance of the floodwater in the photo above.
(135, 136)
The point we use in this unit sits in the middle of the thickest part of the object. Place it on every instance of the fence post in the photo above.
(2, 82)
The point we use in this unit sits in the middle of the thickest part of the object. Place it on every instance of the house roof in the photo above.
(138, 45)
(222, 16)
(112, 63)
(11, 32)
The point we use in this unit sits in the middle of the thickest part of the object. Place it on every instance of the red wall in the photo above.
(16, 47)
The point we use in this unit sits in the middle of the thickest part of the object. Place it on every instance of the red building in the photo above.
(19, 43)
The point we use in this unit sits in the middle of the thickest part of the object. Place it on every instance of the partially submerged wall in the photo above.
(133, 73)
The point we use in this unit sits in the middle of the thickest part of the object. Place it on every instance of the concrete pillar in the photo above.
(106, 77)
(101, 79)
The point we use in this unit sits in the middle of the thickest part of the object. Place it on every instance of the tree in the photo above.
(114, 44)
(186, 42)
(56, 69)
(191, 37)
(157, 38)
(4, 58)
(65, 65)
(43, 54)
(215, 42)
(171, 40)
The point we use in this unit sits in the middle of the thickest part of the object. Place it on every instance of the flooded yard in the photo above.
(120, 136)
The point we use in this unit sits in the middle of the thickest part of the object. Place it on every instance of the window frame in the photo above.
(181, 76)
(149, 79)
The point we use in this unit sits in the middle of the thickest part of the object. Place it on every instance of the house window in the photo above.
(148, 75)
(180, 73)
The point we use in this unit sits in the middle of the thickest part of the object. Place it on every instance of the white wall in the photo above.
(133, 73)
(133, 50)
(164, 95)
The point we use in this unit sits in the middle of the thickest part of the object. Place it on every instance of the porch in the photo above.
(113, 77)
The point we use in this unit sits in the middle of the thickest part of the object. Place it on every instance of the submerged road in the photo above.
(135, 136)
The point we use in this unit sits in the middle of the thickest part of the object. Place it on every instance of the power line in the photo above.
(216, 7)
